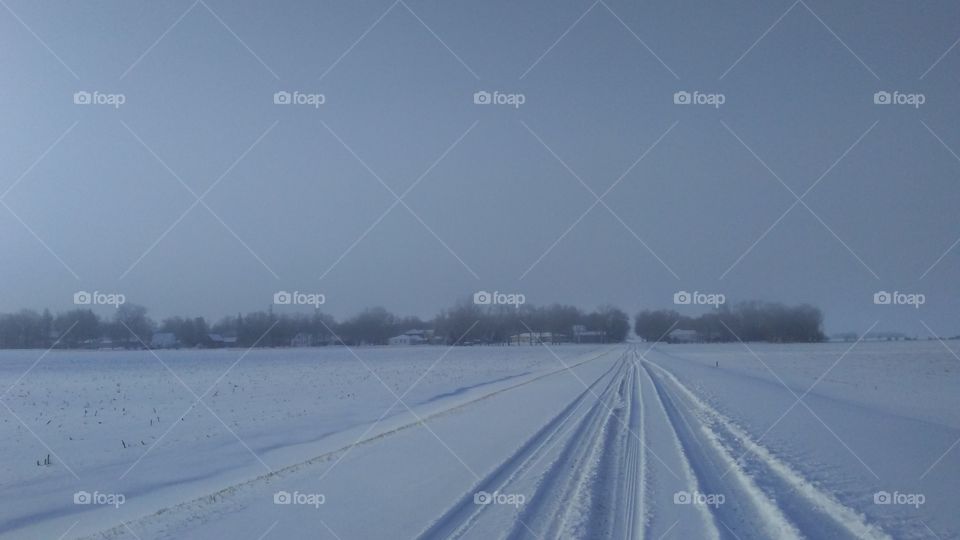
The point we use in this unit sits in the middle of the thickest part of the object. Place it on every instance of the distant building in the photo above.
(684, 336)
(216, 341)
(302, 340)
(582, 335)
(164, 340)
(410, 337)
(536, 338)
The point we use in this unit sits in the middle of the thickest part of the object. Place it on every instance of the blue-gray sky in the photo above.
(88, 206)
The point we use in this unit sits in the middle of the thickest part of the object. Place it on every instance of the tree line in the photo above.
(746, 321)
(465, 323)
(471, 323)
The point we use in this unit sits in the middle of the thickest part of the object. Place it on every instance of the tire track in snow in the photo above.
(618, 508)
(711, 530)
(461, 517)
(745, 509)
(597, 487)
(796, 501)
(634, 476)
(561, 503)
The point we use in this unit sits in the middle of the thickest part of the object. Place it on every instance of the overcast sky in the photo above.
(501, 197)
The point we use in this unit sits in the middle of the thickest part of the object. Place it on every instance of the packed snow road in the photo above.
(631, 441)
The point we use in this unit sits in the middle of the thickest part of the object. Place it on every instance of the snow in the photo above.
(572, 441)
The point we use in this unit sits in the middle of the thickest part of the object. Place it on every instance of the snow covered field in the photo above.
(623, 441)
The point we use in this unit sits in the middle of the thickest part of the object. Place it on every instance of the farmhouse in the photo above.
(582, 335)
(410, 337)
(536, 338)
(302, 339)
(216, 341)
